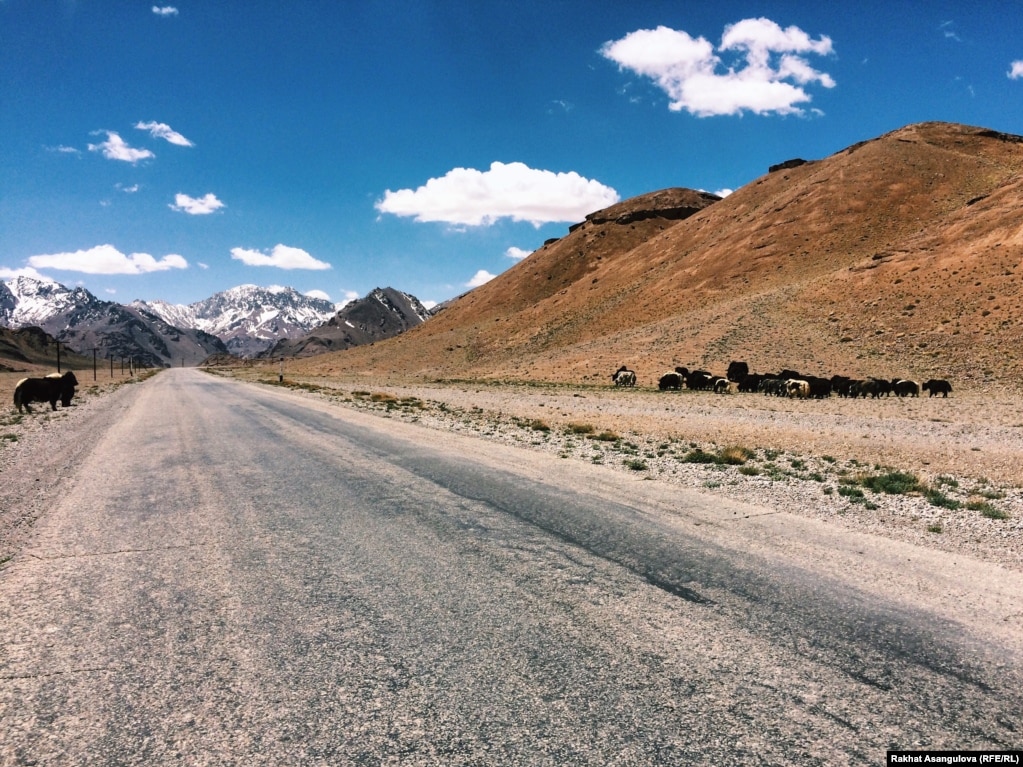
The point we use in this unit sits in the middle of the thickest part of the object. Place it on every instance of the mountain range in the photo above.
(248, 319)
(245, 321)
(900, 255)
(383, 313)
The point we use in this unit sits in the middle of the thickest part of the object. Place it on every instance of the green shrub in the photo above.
(939, 499)
(636, 464)
(698, 455)
(893, 483)
(935, 528)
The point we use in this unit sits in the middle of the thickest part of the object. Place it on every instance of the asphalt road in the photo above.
(240, 575)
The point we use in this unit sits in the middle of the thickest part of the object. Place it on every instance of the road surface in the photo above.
(243, 575)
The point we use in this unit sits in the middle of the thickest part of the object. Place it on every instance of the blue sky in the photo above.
(174, 150)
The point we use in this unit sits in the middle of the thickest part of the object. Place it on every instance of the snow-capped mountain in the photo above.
(26, 301)
(248, 319)
(84, 322)
(383, 313)
(245, 321)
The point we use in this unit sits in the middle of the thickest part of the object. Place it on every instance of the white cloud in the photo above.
(517, 253)
(164, 131)
(165, 10)
(771, 72)
(724, 192)
(61, 149)
(1016, 71)
(471, 197)
(282, 256)
(128, 189)
(114, 148)
(106, 259)
(202, 206)
(480, 278)
(317, 294)
(26, 271)
(948, 30)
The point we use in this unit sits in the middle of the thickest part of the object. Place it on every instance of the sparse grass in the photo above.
(636, 464)
(937, 498)
(986, 509)
(749, 471)
(934, 528)
(537, 425)
(735, 455)
(606, 436)
(382, 397)
(991, 495)
(579, 428)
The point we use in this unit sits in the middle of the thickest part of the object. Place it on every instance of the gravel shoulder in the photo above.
(40, 451)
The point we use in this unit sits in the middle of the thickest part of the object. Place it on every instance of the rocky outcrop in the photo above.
(672, 204)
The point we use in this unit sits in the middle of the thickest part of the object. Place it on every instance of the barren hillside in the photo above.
(896, 256)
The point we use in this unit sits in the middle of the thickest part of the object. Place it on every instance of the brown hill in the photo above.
(29, 349)
(896, 256)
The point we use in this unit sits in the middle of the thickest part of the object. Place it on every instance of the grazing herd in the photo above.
(50, 388)
(787, 383)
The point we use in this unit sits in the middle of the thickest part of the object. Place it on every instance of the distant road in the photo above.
(240, 575)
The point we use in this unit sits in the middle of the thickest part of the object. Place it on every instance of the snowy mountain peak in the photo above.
(248, 318)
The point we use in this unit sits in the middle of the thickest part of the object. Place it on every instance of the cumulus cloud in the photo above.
(480, 278)
(25, 271)
(770, 75)
(473, 198)
(517, 253)
(1016, 70)
(114, 148)
(201, 206)
(164, 131)
(106, 259)
(165, 10)
(61, 149)
(282, 256)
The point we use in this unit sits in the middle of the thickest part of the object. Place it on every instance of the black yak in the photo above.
(49, 389)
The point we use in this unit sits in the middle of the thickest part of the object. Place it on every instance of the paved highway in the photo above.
(241, 575)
